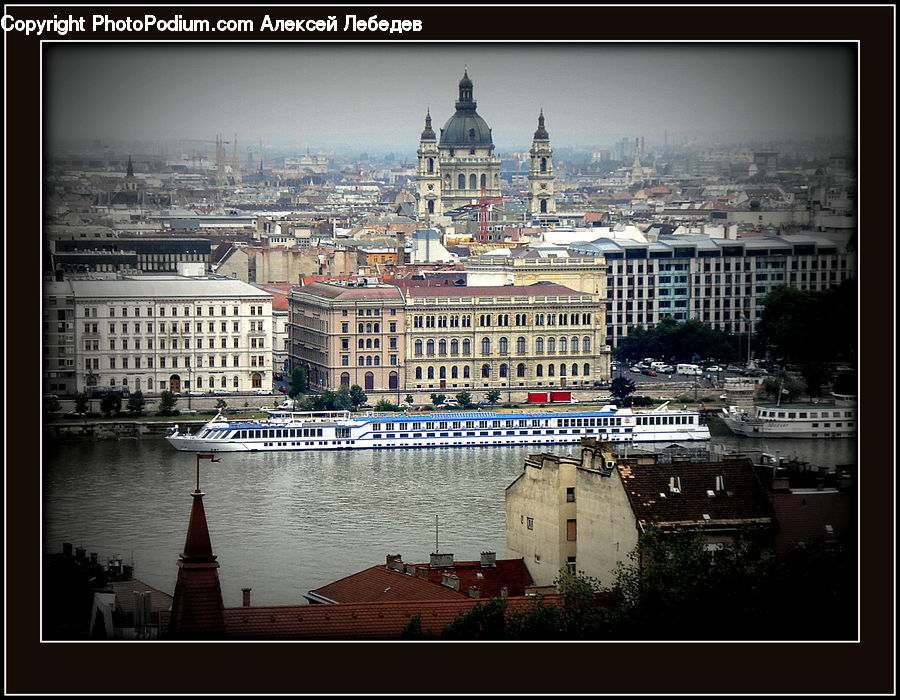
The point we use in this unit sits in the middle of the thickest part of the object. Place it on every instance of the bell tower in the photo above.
(541, 198)
(428, 173)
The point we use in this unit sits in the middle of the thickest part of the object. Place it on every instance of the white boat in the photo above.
(796, 420)
(341, 430)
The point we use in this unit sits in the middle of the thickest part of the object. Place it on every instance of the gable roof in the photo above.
(511, 574)
(379, 583)
(741, 502)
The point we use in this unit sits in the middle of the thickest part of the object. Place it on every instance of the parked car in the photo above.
(636, 369)
(668, 369)
(649, 372)
(283, 389)
(263, 392)
(714, 368)
(220, 392)
(602, 399)
(278, 377)
(195, 392)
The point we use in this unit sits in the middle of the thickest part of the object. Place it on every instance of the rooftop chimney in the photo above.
(450, 580)
(394, 561)
(504, 592)
(720, 483)
(246, 596)
(440, 561)
(79, 553)
(489, 559)
(474, 592)
(67, 549)
(675, 484)
(93, 558)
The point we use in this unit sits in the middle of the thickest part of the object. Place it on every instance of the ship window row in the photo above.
(666, 420)
(485, 433)
(277, 433)
(764, 413)
(521, 423)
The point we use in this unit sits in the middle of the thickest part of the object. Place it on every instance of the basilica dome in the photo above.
(465, 129)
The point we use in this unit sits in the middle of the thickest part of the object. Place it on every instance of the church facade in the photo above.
(459, 166)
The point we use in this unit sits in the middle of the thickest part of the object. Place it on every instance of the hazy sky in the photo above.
(376, 94)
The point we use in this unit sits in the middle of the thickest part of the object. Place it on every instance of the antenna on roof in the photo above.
(436, 550)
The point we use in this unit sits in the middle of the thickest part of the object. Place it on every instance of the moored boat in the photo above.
(337, 430)
(795, 420)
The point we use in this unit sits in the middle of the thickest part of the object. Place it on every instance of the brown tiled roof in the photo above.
(334, 291)
(378, 583)
(380, 620)
(125, 591)
(518, 291)
(742, 502)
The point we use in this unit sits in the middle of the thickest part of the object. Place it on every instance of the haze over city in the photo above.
(334, 96)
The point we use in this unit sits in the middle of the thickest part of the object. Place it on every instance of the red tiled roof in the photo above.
(803, 515)
(743, 500)
(333, 291)
(511, 574)
(279, 294)
(379, 620)
(378, 583)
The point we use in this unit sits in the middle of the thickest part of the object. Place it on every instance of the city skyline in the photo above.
(333, 96)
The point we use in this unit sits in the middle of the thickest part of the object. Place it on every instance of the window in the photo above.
(571, 530)
(529, 523)
(570, 494)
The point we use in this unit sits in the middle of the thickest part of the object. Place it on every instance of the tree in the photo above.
(299, 382)
(464, 399)
(438, 399)
(385, 405)
(409, 399)
(110, 403)
(621, 388)
(51, 404)
(136, 402)
(357, 396)
(788, 386)
(167, 401)
(81, 402)
(492, 396)
(482, 621)
(678, 341)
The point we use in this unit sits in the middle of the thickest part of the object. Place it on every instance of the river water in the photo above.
(285, 523)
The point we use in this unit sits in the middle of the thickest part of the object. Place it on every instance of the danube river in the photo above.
(285, 523)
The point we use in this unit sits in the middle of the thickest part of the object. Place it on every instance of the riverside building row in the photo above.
(384, 337)
(720, 282)
(176, 334)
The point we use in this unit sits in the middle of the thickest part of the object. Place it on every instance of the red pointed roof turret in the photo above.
(197, 607)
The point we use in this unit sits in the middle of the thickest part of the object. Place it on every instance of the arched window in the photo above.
(431, 372)
(473, 182)
(361, 344)
(461, 181)
(442, 372)
(235, 383)
(586, 344)
(454, 347)
(483, 180)
(368, 359)
(520, 369)
(574, 369)
(503, 371)
(543, 206)
(551, 345)
(539, 370)
(485, 371)
(418, 372)
(255, 380)
(377, 360)
(562, 370)
(429, 347)
(466, 347)
(563, 345)
(442, 346)
(504, 345)
(345, 379)
(520, 346)
(368, 328)
(393, 381)
(454, 372)
(431, 165)
(431, 206)
(466, 372)
(574, 344)
(360, 328)
(543, 165)
(485, 346)
(418, 346)
(587, 369)
(369, 381)
(224, 382)
(539, 345)
(551, 370)
(368, 342)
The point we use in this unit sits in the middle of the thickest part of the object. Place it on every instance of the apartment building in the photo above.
(384, 337)
(718, 281)
(171, 333)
